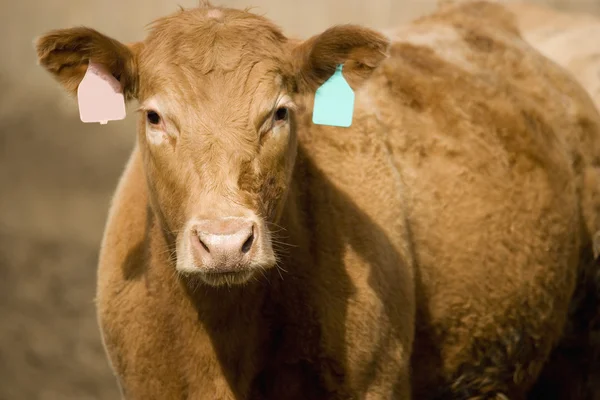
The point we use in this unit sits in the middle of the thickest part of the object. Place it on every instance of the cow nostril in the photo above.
(248, 243)
(203, 245)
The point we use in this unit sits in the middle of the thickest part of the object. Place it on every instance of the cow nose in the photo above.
(223, 245)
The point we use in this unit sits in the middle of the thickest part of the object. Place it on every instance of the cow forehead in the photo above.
(195, 37)
(203, 55)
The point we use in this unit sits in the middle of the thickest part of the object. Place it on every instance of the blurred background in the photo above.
(57, 176)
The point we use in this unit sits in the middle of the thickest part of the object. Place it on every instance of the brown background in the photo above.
(57, 176)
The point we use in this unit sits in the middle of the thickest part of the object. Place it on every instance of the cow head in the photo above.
(218, 92)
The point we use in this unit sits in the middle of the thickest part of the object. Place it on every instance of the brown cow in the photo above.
(252, 254)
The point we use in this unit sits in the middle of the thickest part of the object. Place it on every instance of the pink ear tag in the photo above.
(100, 96)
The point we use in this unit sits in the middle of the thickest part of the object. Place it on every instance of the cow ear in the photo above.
(360, 49)
(65, 53)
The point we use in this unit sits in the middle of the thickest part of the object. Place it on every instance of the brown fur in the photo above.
(570, 39)
(456, 197)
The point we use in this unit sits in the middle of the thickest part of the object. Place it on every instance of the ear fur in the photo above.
(360, 49)
(65, 53)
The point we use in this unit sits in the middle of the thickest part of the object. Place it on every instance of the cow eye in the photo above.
(153, 117)
(281, 114)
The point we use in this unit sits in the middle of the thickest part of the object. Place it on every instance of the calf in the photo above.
(429, 250)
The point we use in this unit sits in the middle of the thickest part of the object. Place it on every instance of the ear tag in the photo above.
(100, 96)
(334, 102)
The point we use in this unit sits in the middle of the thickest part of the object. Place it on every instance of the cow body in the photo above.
(434, 244)
(485, 168)
(570, 40)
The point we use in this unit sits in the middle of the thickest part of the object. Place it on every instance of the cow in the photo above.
(429, 250)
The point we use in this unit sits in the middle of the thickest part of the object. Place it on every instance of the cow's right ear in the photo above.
(65, 53)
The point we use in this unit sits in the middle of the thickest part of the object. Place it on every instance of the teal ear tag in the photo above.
(334, 101)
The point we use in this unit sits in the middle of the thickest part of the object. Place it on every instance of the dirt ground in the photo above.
(57, 176)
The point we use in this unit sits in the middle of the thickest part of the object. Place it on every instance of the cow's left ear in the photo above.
(360, 49)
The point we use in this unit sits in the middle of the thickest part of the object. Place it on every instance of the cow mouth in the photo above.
(229, 278)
